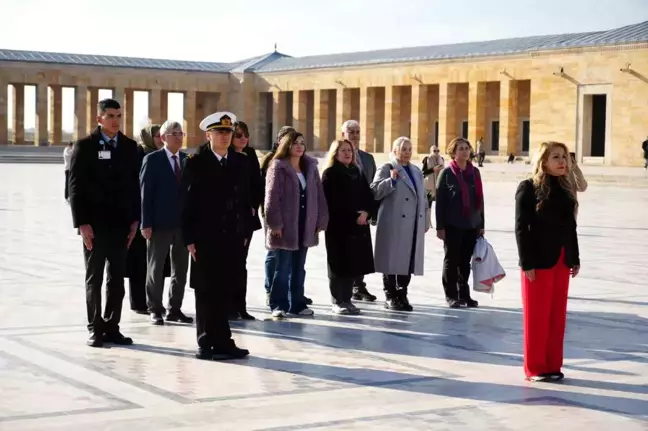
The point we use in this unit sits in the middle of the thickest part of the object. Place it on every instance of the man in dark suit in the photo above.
(367, 165)
(160, 183)
(105, 203)
(216, 225)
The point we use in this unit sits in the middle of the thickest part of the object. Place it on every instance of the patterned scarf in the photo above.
(465, 193)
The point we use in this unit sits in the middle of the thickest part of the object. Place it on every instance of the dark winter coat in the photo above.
(349, 250)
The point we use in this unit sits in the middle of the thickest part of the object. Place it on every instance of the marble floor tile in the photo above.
(434, 368)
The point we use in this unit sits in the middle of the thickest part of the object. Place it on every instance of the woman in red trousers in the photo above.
(545, 230)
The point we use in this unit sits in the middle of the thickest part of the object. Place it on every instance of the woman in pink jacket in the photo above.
(295, 213)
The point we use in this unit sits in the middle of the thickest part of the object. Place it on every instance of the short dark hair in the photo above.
(106, 104)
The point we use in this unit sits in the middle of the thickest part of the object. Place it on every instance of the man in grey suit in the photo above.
(367, 165)
(160, 185)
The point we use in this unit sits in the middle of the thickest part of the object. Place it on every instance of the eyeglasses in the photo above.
(176, 134)
(241, 135)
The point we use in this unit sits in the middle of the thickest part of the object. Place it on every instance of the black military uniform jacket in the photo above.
(104, 192)
(217, 203)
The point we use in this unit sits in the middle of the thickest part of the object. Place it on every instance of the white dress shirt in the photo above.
(218, 156)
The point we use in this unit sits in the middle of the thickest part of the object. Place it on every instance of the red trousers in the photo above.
(544, 303)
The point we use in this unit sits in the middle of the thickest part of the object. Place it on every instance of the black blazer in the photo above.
(217, 201)
(104, 193)
(541, 235)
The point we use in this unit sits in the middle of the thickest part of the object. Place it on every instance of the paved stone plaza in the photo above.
(435, 368)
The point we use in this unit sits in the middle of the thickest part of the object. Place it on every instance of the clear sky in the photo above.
(220, 31)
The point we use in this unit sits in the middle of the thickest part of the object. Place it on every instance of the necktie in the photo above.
(111, 144)
(223, 162)
(176, 168)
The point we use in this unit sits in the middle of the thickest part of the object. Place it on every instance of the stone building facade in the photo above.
(589, 90)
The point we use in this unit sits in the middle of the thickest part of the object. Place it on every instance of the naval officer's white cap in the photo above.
(218, 121)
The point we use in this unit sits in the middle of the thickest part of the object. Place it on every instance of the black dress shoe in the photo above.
(95, 340)
(178, 316)
(453, 303)
(244, 315)
(118, 338)
(156, 319)
(204, 354)
(555, 377)
(394, 304)
(308, 301)
(224, 353)
(232, 316)
(470, 303)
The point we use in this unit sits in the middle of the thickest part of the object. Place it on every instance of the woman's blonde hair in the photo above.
(451, 149)
(333, 152)
(540, 176)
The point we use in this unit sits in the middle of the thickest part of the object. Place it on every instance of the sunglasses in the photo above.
(435, 151)
(241, 135)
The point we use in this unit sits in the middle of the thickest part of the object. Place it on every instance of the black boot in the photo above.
(392, 298)
(360, 293)
(402, 297)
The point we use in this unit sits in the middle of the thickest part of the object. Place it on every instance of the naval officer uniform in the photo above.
(216, 224)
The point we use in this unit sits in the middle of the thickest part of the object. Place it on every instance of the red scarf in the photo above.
(465, 197)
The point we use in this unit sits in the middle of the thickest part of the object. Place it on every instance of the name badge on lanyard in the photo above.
(103, 154)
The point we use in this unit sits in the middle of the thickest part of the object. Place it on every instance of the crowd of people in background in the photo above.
(151, 211)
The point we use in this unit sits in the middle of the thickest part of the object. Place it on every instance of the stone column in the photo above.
(190, 123)
(128, 108)
(155, 106)
(342, 110)
(80, 109)
(420, 118)
(447, 114)
(367, 118)
(509, 119)
(56, 115)
(18, 125)
(164, 106)
(279, 101)
(260, 133)
(392, 116)
(300, 105)
(4, 124)
(91, 109)
(320, 120)
(476, 112)
(40, 129)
